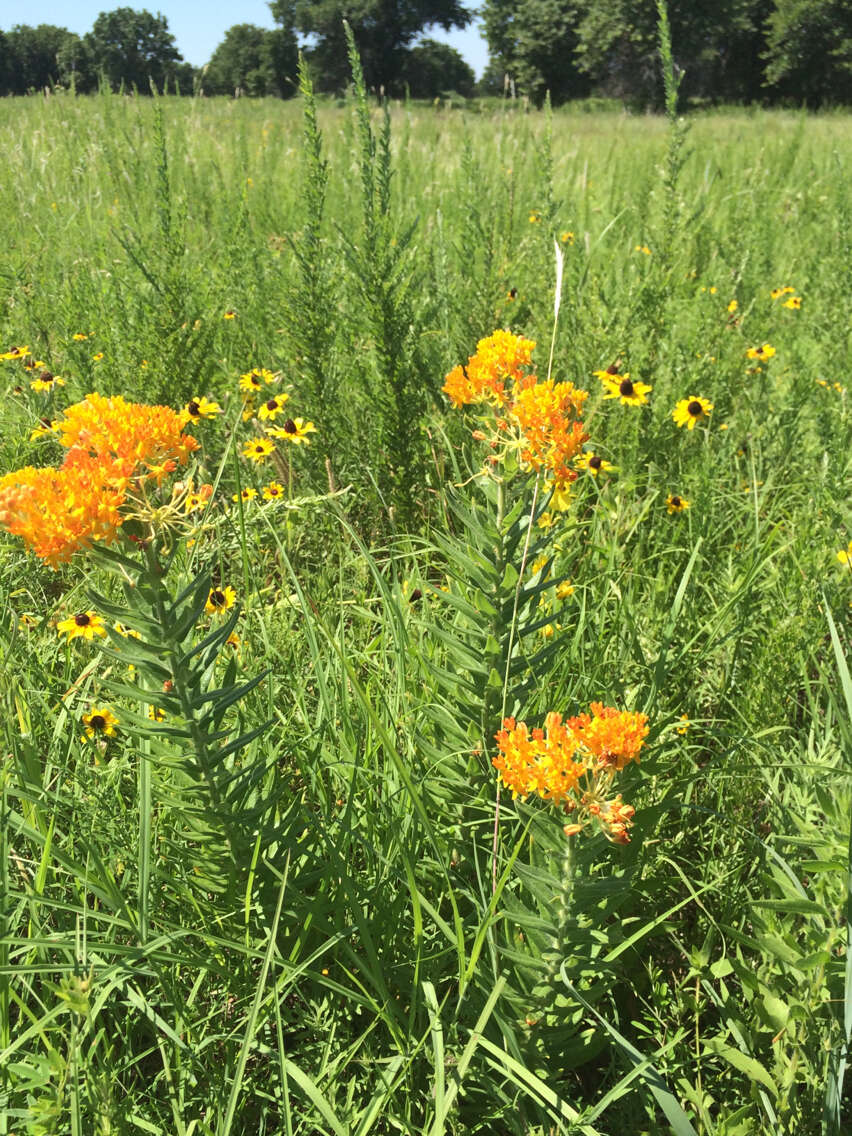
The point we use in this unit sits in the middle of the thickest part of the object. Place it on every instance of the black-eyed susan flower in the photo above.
(845, 555)
(156, 714)
(793, 303)
(732, 307)
(15, 352)
(272, 407)
(535, 217)
(229, 314)
(79, 336)
(258, 449)
(245, 495)
(198, 409)
(44, 428)
(96, 358)
(690, 411)
(625, 390)
(220, 599)
(47, 381)
(124, 631)
(761, 353)
(676, 504)
(684, 724)
(647, 252)
(83, 625)
(233, 641)
(777, 293)
(195, 500)
(564, 590)
(33, 364)
(100, 722)
(566, 237)
(294, 430)
(256, 378)
(273, 491)
(594, 463)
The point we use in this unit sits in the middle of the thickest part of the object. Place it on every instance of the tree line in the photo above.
(765, 51)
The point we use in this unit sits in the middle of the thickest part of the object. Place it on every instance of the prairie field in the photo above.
(259, 871)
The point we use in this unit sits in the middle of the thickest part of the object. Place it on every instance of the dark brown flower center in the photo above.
(217, 598)
(46, 376)
(595, 462)
(193, 408)
(82, 620)
(97, 722)
(612, 370)
(676, 502)
(625, 387)
(290, 427)
(272, 404)
(695, 408)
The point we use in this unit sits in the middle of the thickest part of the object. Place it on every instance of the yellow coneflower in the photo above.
(594, 463)
(676, 504)
(247, 494)
(294, 430)
(625, 390)
(220, 599)
(199, 408)
(270, 409)
(690, 411)
(100, 722)
(258, 449)
(47, 381)
(83, 625)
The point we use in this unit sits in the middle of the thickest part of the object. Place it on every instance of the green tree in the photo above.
(383, 31)
(545, 51)
(31, 57)
(76, 66)
(254, 60)
(809, 51)
(433, 68)
(135, 48)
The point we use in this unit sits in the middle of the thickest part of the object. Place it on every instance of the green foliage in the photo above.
(433, 69)
(383, 32)
(253, 60)
(809, 51)
(134, 49)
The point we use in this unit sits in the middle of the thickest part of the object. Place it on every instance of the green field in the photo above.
(288, 906)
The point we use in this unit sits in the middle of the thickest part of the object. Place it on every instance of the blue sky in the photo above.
(197, 25)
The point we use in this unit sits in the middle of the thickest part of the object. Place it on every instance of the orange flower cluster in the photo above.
(109, 442)
(538, 420)
(572, 763)
(500, 358)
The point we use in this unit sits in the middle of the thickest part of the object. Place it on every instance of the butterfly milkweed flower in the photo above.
(258, 449)
(294, 430)
(109, 443)
(623, 388)
(690, 411)
(100, 722)
(676, 504)
(500, 359)
(761, 353)
(220, 599)
(572, 763)
(83, 625)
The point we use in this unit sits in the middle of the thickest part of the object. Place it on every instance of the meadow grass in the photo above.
(313, 934)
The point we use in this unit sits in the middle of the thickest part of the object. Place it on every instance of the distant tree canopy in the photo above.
(434, 68)
(384, 31)
(729, 50)
(253, 60)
